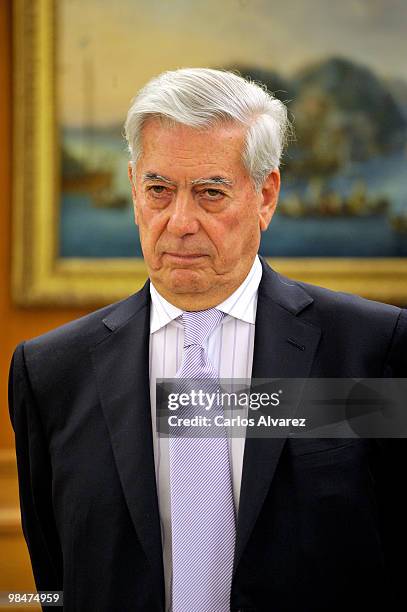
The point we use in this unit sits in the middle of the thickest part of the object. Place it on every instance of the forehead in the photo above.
(181, 147)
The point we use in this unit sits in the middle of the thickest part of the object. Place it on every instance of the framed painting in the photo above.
(342, 214)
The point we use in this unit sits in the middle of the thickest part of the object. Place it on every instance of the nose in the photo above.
(183, 215)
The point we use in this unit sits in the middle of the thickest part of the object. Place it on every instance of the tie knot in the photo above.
(199, 325)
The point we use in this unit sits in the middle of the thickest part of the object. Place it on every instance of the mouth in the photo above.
(184, 257)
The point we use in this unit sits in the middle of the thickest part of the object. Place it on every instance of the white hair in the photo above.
(203, 97)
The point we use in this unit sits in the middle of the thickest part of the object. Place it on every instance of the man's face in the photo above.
(198, 213)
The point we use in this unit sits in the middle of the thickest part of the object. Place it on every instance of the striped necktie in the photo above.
(202, 507)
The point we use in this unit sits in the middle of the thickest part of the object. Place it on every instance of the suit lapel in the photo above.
(284, 347)
(121, 362)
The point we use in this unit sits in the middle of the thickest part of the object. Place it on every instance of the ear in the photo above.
(132, 179)
(269, 199)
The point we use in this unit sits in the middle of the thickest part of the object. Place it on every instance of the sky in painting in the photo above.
(108, 50)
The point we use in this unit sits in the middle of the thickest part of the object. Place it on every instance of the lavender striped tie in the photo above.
(202, 505)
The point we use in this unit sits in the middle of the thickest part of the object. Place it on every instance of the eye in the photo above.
(157, 190)
(213, 194)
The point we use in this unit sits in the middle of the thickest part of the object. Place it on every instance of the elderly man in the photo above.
(120, 518)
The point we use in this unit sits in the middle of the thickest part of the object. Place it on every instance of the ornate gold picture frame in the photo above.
(39, 275)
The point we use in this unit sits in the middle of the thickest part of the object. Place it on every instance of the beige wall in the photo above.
(16, 323)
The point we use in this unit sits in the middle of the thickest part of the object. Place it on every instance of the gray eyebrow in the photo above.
(214, 180)
(152, 176)
(217, 180)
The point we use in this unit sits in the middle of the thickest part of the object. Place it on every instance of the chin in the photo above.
(183, 280)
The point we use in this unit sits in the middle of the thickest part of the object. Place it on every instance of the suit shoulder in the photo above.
(57, 361)
(80, 333)
(336, 312)
(351, 317)
(74, 331)
(331, 301)
(315, 302)
(376, 331)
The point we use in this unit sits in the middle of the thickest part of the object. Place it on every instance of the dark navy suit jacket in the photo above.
(322, 522)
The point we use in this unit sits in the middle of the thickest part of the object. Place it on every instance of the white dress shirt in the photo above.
(230, 350)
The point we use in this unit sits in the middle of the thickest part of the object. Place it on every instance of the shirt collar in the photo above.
(162, 311)
(241, 304)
